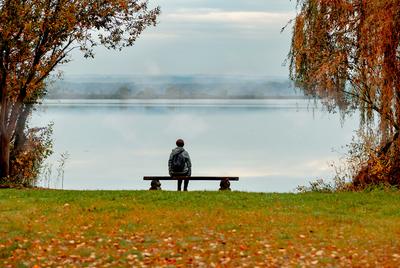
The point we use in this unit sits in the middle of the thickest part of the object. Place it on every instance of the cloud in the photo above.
(243, 18)
(227, 37)
(206, 22)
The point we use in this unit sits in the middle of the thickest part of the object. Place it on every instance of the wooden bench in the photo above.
(224, 181)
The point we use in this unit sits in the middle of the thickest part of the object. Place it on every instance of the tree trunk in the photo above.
(4, 137)
(4, 155)
(19, 134)
(19, 138)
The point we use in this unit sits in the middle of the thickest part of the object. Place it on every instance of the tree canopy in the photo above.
(38, 35)
(347, 52)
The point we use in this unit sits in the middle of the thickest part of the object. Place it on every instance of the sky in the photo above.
(202, 37)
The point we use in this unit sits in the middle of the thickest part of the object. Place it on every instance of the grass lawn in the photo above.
(40, 228)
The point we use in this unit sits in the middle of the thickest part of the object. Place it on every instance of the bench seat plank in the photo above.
(193, 178)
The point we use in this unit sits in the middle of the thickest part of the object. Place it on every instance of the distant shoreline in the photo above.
(227, 103)
(173, 87)
(199, 98)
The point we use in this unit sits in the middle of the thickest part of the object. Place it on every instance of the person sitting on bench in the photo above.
(179, 164)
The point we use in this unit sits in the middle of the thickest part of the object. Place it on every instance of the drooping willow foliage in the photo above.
(347, 52)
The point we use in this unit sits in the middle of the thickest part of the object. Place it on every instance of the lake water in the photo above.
(272, 145)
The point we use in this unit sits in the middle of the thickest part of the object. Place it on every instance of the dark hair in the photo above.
(180, 143)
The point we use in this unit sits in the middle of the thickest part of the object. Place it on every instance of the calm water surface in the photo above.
(272, 145)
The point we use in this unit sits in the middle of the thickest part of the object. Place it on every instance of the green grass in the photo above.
(160, 228)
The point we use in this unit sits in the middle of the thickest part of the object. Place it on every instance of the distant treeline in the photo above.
(172, 88)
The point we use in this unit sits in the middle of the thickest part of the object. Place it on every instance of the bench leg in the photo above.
(224, 185)
(155, 185)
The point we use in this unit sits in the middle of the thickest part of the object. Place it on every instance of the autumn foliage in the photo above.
(28, 161)
(38, 35)
(348, 54)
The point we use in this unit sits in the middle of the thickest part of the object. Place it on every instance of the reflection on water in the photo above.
(272, 145)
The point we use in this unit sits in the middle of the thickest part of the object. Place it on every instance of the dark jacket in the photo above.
(187, 171)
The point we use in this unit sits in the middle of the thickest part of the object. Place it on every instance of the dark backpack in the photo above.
(178, 162)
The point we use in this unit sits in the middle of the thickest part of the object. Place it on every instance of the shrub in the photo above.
(27, 162)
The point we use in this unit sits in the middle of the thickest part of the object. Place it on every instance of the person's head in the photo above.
(180, 143)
